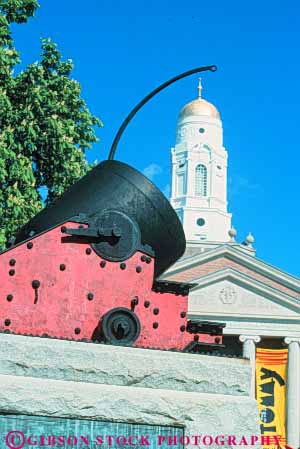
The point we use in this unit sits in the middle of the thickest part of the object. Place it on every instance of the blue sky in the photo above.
(124, 49)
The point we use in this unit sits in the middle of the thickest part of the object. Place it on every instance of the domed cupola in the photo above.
(199, 122)
(199, 108)
(199, 173)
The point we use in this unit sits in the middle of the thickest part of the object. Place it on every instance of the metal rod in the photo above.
(211, 68)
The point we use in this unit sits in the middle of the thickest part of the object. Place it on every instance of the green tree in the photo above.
(45, 125)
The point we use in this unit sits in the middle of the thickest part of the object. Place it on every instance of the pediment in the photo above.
(232, 294)
(227, 256)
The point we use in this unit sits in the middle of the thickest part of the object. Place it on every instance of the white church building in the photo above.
(259, 303)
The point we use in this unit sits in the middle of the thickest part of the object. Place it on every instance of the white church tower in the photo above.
(199, 173)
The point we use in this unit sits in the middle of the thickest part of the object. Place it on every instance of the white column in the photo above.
(249, 352)
(293, 392)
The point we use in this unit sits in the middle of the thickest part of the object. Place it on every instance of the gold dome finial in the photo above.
(199, 107)
(200, 88)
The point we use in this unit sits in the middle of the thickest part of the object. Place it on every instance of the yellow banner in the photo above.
(271, 367)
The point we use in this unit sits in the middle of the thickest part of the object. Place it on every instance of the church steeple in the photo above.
(199, 173)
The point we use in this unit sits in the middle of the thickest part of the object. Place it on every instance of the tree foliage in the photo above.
(45, 125)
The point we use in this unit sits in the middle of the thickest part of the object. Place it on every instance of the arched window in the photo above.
(201, 180)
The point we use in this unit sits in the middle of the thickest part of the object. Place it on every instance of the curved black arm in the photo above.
(211, 68)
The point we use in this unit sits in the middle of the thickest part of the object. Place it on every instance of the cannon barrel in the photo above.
(113, 184)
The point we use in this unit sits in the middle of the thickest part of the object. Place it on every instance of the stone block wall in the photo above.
(204, 395)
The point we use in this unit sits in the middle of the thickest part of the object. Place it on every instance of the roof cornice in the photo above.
(240, 257)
